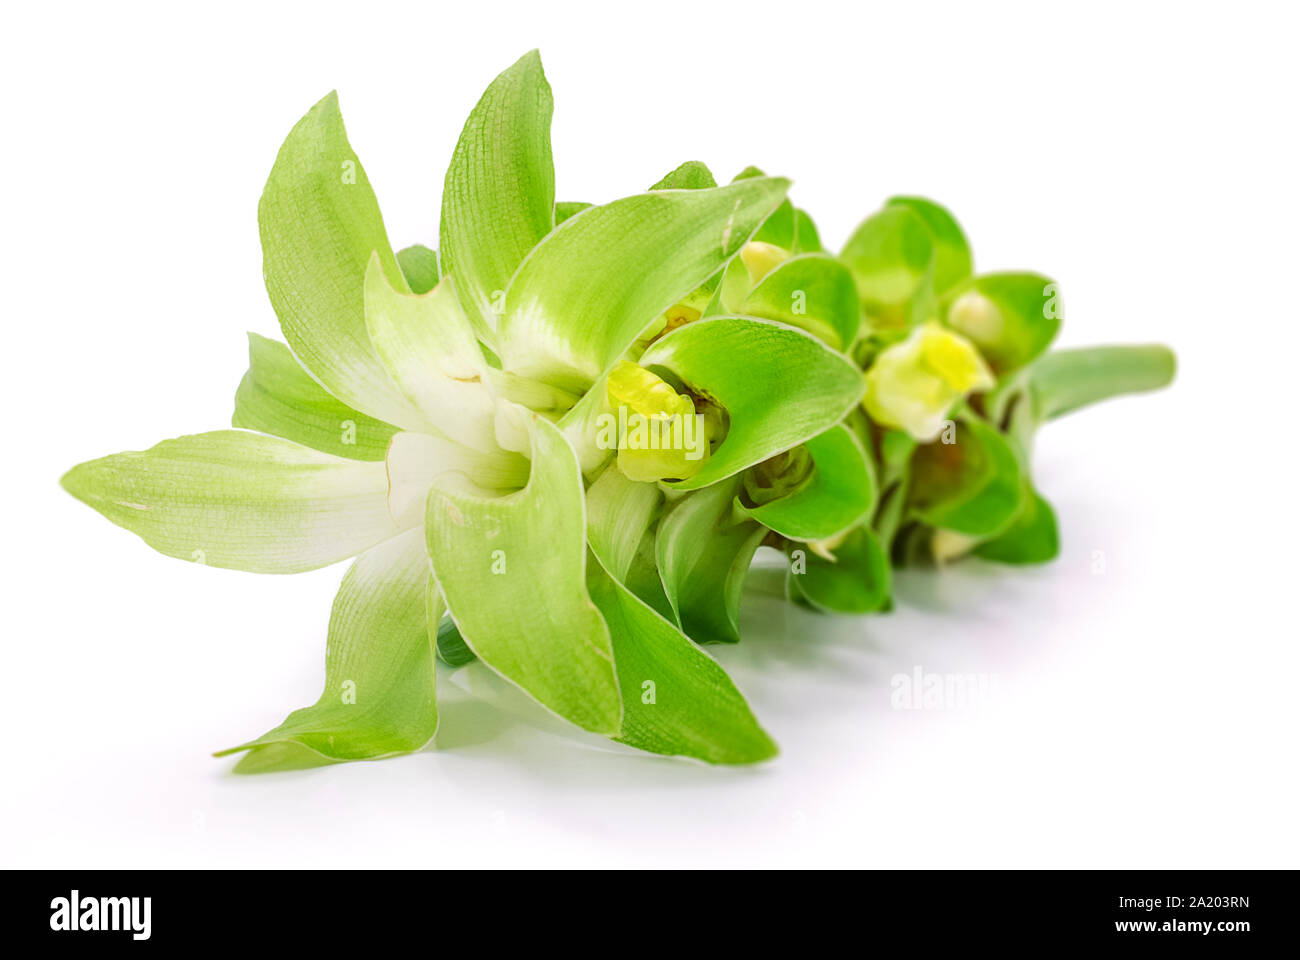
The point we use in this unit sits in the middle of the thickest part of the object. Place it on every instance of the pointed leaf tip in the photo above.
(498, 196)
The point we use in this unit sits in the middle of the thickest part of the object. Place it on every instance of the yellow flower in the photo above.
(659, 434)
(914, 383)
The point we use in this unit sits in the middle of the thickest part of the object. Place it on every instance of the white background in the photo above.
(1143, 155)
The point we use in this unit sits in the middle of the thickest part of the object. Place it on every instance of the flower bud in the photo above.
(778, 476)
(976, 316)
(760, 259)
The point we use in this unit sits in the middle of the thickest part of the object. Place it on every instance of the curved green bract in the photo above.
(1011, 317)
(619, 514)
(703, 550)
(1031, 538)
(587, 291)
(513, 571)
(856, 581)
(779, 386)
(677, 700)
(839, 493)
(952, 255)
(891, 256)
(780, 228)
(420, 267)
(813, 292)
(277, 396)
(974, 486)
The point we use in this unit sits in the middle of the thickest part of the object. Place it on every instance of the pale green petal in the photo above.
(513, 570)
(587, 291)
(839, 493)
(813, 292)
(379, 668)
(277, 396)
(677, 700)
(320, 223)
(417, 460)
(498, 199)
(581, 426)
(619, 512)
(643, 578)
(241, 500)
(779, 386)
(533, 394)
(428, 347)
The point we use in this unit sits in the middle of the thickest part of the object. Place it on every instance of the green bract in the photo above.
(556, 444)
